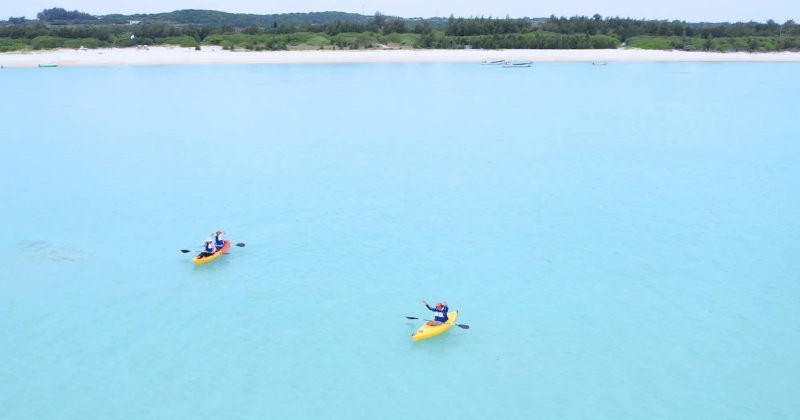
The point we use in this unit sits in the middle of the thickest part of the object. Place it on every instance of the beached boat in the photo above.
(48, 65)
(599, 63)
(510, 64)
(492, 62)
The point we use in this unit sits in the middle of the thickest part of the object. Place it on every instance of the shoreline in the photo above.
(172, 55)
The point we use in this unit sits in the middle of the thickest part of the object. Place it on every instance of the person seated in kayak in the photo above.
(440, 313)
(210, 249)
(219, 239)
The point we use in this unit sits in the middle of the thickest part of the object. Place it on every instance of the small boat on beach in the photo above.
(48, 65)
(492, 62)
(510, 64)
(599, 63)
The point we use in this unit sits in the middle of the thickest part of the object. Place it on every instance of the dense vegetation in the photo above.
(512, 33)
(624, 28)
(237, 20)
(59, 15)
(190, 28)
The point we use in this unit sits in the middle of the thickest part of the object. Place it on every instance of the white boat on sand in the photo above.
(492, 62)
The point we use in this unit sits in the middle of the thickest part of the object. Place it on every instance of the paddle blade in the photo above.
(464, 326)
(185, 251)
(411, 317)
(240, 245)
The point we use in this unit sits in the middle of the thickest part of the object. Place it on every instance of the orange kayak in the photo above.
(198, 260)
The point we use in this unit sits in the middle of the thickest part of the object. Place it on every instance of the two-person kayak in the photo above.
(202, 260)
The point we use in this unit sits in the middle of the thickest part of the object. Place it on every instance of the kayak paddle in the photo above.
(186, 250)
(464, 326)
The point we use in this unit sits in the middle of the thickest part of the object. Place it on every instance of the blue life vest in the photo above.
(211, 248)
(220, 242)
(440, 316)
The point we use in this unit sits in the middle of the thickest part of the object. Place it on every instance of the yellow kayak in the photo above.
(426, 331)
(198, 260)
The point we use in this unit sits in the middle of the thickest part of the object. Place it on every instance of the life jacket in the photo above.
(210, 248)
(440, 315)
(220, 239)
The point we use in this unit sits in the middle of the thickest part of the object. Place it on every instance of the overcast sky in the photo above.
(689, 10)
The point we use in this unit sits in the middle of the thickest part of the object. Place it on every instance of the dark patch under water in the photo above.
(48, 251)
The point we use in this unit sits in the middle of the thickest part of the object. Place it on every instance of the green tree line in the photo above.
(237, 20)
(621, 28)
(624, 28)
(58, 14)
(577, 32)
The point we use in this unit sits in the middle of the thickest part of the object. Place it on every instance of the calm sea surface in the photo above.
(624, 241)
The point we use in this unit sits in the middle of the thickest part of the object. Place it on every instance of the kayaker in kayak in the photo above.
(440, 313)
(219, 239)
(209, 250)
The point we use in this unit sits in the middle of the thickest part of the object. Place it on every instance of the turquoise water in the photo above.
(623, 241)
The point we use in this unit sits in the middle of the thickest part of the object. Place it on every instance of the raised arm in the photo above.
(426, 305)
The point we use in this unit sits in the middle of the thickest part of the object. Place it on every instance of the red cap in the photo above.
(438, 303)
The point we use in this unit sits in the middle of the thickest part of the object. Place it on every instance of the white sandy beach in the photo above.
(215, 55)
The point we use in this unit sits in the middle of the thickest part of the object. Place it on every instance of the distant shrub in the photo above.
(44, 42)
(318, 41)
(81, 42)
(215, 39)
(353, 41)
(183, 41)
(650, 43)
(300, 37)
(8, 44)
(277, 45)
(407, 39)
(123, 40)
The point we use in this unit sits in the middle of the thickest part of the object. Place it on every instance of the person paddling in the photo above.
(219, 239)
(440, 313)
(209, 250)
